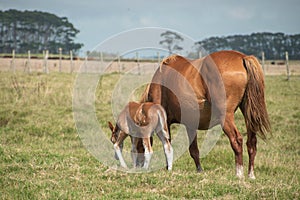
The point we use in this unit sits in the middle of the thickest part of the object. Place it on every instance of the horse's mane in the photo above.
(170, 60)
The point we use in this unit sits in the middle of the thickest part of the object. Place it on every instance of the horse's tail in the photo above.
(253, 104)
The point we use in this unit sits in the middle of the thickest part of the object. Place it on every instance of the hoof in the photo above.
(251, 176)
(240, 176)
(240, 171)
(199, 170)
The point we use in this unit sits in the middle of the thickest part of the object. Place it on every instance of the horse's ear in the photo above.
(111, 126)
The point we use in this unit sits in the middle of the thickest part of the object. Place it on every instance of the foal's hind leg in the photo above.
(236, 142)
(167, 148)
(194, 151)
(148, 152)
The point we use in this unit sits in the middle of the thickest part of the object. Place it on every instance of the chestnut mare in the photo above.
(140, 121)
(205, 92)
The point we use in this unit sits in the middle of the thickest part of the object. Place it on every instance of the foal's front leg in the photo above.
(148, 152)
(117, 148)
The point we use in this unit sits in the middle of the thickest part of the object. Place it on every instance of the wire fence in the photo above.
(70, 64)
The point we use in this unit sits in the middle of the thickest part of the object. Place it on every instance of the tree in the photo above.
(36, 31)
(171, 41)
(274, 45)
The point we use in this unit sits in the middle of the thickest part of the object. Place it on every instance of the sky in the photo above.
(99, 20)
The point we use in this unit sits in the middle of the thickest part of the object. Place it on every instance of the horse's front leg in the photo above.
(148, 152)
(194, 151)
(117, 148)
(134, 151)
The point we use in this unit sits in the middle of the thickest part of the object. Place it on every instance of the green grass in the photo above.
(42, 157)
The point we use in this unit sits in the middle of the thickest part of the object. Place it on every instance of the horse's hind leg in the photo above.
(194, 151)
(236, 142)
(251, 145)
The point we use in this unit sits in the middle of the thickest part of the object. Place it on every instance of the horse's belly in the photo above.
(207, 120)
(196, 118)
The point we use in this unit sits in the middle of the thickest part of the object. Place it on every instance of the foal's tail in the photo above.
(253, 105)
(140, 117)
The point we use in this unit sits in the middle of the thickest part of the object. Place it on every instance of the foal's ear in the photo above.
(111, 126)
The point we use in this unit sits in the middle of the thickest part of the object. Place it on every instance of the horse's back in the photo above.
(228, 61)
(225, 70)
(229, 64)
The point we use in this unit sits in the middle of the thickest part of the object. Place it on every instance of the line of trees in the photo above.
(36, 31)
(274, 45)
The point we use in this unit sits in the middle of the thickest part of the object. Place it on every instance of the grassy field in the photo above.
(42, 157)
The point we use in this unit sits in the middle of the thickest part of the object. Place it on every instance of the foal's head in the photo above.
(114, 136)
(114, 132)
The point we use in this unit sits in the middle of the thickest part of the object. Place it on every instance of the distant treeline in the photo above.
(36, 31)
(274, 45)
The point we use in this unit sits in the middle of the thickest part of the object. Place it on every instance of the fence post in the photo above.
(287, 65)
(60, 57)
(12, 64)
(101, 61)
(119, 63)
(85, 64)
(263, 61)
(158, 60)
(28, 64)
(46, 54)
(200, 54)
(71, 61)
(138, 63)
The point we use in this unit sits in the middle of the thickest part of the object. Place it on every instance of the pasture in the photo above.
(42, 157)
